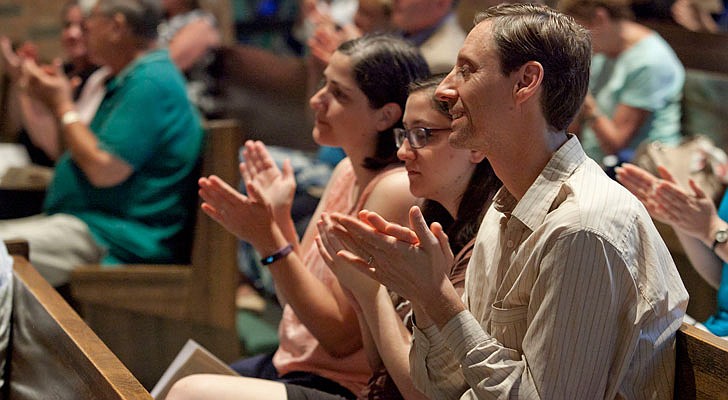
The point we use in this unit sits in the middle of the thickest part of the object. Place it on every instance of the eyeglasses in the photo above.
(417, 137)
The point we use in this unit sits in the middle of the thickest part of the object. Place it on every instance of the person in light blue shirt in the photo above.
(635, 85)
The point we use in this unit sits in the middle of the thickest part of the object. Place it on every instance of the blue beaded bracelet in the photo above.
(280, 253)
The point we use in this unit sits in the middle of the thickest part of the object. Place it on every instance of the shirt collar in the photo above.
(544, 193)
(147, 58)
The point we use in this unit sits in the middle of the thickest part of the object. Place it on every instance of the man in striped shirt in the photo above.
(570, 293)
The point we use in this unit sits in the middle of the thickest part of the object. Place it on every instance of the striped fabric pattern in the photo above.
(571, 294)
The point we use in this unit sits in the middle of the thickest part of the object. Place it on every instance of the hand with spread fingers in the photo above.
(692, 213)
(400, 232)
(277, 186)
(48, 84)
(11, 60)
(326, 39)
(247, 217)
(641, 183)
(388, 253)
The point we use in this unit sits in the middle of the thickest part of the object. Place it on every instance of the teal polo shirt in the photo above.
(146, 120)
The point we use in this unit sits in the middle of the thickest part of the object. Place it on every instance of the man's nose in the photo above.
(446, 89)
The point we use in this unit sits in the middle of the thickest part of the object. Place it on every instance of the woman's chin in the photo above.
(416, 190)
(323, 139)
(316, 134)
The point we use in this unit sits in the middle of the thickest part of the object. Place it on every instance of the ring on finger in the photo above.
(370, 261)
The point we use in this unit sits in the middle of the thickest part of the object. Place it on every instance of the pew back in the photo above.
(701, 370)
(705, 100)
(53, 353)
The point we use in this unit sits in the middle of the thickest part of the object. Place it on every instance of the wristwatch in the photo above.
(70, 117)
(720, 237)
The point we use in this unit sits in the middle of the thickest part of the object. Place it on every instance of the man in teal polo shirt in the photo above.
(125, 188)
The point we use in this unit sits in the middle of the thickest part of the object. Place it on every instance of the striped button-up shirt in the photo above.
(570, 294)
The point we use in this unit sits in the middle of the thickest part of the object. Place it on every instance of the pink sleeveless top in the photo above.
(299, 350)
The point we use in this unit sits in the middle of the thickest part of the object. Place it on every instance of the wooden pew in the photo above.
(702, 51)
(52, 353)
(267, 92)
(701, 370)
(145, 313)
(18, 247)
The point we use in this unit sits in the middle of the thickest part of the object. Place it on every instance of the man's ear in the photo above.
(120, 24)
(600, 18)
(388, 115)
(476, 156)
(530, 77)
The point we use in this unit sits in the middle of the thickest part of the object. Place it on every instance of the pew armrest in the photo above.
(18, 247)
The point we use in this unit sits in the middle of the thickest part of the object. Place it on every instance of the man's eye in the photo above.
(464, 71)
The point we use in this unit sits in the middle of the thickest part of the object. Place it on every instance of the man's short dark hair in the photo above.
(530, 32)
(143, 16)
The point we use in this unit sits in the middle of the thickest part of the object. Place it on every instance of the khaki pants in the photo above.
(58, 243)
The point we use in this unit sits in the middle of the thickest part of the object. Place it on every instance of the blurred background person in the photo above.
(123, 190)
(191, 34)
(313, 12)
(370, 16)
(39, 131)
(431, 25)
(635, 85)
(701, 228)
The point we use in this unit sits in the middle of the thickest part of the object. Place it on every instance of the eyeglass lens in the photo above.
(417, 137)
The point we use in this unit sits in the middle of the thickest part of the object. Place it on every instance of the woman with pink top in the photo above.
(357, 109)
